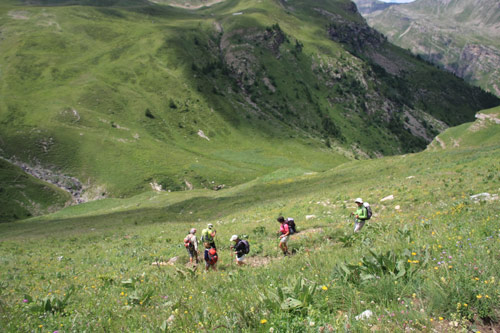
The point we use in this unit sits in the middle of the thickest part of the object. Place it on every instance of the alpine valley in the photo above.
(125, 124)
(111, 98)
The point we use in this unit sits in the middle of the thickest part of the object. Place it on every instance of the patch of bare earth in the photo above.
(19, 15)
(259, 261)
(187, 5)
(441, 142)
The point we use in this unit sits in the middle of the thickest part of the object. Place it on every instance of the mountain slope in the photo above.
(23, 196)
(124, 94)
(461, 35)
(485, 131)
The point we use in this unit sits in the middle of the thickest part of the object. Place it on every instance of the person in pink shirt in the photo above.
(284, 235)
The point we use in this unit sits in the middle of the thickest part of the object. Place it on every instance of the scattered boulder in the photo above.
(308, 217)
(189, 185)
(390, 197)
(156, 187)
(172, 261)
(484, 197)
(201, 134)
(219, 187)
(398, 207)
(159, 263)
(364, 315)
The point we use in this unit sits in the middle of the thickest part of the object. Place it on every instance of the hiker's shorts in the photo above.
(192, 253)
(284, 240)
(358, 225)
(240, 259)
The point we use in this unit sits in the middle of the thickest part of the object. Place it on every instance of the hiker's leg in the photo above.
(358, 225)
(284, 244)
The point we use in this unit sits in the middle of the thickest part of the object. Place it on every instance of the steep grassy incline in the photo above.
(121, 94)
(425, 261)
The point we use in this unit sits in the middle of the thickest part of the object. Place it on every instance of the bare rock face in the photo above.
(459, 35)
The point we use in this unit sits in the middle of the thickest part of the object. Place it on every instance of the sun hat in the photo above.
(359, 200)
(210, 225)
(192, 231)
(233, 238)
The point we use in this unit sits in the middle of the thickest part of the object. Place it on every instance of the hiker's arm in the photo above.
(287, 231)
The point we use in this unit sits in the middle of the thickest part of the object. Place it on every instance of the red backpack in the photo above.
(212, 256)
(187, 242)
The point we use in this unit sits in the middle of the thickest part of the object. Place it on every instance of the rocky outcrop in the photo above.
(67, 183)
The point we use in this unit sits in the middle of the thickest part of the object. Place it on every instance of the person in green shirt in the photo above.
(360, 214)
(208, 235)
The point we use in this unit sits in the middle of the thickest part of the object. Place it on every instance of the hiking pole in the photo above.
(232, 253)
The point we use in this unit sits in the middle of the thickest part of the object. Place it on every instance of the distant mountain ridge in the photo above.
(460, 35)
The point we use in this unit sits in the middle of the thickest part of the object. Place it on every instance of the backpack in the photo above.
(291, 224)
(246, 250)
(206, 236)
(368, 211)
(212, 256)
(187, 242)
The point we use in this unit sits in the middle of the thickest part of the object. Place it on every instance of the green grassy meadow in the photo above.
(121, 94)
(429, 264)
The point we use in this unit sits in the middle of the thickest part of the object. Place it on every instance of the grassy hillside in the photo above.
(121, 94)
(484, 131)
(23, 196)
(425, 261)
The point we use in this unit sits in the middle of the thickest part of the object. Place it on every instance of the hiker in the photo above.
(361, 215)
(191, 244)
(291, 225)
(240, 248)
(208, 235)
(284, 235)
(210, 257)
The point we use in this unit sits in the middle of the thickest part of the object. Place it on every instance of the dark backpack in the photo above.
(368, 211)
(246, 250)
(212, 256)
(291, 224)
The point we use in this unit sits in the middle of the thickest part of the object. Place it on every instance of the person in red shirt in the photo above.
(284, 235)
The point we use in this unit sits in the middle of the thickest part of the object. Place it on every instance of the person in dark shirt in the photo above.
(240, 249)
